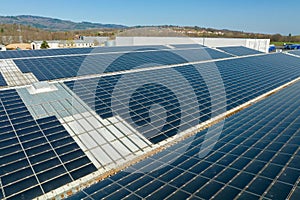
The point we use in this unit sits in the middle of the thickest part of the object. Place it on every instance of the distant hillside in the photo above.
(54, 24)
(15, 33)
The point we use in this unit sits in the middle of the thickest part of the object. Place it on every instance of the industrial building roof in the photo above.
(148, 122)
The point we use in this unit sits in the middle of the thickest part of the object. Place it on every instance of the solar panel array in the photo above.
(296, 53)
(74, 129)
(37, 156)
(71, 51)
(257, 156)
(239, 50)
(64, 67)
(41, 53)
(243, 79)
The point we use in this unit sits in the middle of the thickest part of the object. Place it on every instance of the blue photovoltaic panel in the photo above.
(246, 78)
(216, 54)
(257, 156)
(37, 156)
(243, 80)
(43, 52)
(240, 50)
(69, 51)
(64, 67)
(2, 81)
(297, 52)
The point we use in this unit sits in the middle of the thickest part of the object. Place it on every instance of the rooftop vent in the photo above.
(41, 87)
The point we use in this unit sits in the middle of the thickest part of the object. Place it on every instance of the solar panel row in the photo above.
(182, 92)
(41, 53)
(64, 67)
(37, 156)
(70, 51)
(257, 156)
(239, 50)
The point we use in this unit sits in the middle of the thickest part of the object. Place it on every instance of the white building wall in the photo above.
(2, 48)
(92, 39)
(224, 42)
(81, 45)
(127, 41)
(62, 44)
(52, 45)
(257, 44)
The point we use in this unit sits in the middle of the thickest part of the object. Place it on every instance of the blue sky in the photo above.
(265, 16)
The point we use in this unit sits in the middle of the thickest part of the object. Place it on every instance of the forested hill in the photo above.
(54, 24)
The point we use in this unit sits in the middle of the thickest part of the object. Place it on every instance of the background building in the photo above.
(55, 44)
(2, 48)
(257, 44)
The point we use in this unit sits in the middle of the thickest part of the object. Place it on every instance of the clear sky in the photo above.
(264, 16)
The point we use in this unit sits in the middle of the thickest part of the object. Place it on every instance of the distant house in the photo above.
(75, 44)
(55, 44)
(2, 48)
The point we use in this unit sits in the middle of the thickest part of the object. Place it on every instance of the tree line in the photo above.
(15, 33)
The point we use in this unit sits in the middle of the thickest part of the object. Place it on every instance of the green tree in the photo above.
(290, 37)
(2, 30)
(276, 38)
(44, 45)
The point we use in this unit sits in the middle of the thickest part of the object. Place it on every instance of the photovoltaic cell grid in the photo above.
(2, 81)
(36, 156)
(257, 156)
(64, 67)
(246, 78)
(65, 51)
(216, 54)
(297, 52)
(240, 50)
(243, 79)
(40, 53)
(106, 142)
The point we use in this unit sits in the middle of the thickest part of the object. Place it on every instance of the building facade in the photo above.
(55, 44)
